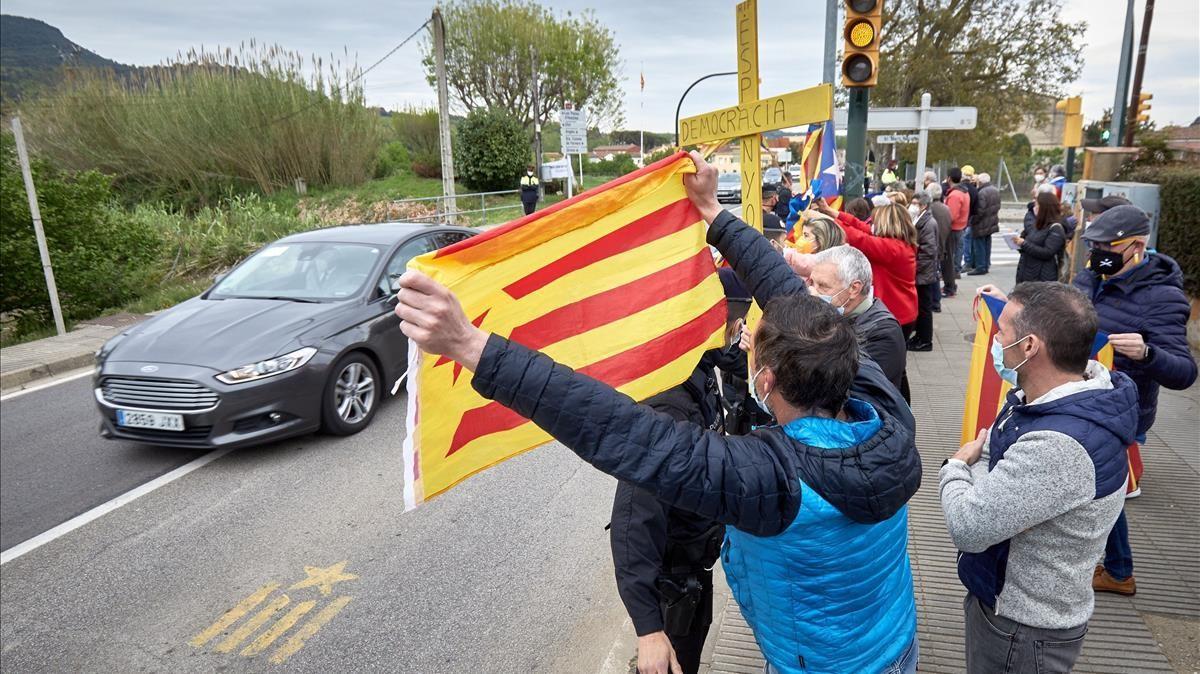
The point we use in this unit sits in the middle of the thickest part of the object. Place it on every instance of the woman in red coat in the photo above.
(890, 243)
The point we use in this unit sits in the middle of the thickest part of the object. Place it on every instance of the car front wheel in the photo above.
(351, 396)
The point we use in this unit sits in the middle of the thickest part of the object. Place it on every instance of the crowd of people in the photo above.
(796, 469)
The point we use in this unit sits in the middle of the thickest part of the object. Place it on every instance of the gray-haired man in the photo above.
(842, 276)
(1033, 516)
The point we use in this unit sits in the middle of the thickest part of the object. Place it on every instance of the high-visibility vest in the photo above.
(529, 181)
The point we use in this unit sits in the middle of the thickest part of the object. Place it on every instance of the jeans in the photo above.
(925, 303)
(981, 252)
(997, 645)
(1118, 556)
(968, 249)
(905, 664)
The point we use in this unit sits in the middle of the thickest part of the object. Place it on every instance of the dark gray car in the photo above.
(298, 337)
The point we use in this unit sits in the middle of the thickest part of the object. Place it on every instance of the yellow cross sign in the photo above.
(752, 116)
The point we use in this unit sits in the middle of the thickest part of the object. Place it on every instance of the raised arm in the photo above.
(762, 268)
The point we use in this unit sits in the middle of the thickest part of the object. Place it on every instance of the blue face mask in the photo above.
(762, 402)
(1008, 374)
(828, 299)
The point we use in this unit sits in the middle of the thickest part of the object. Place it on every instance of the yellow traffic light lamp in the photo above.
(1143, 108)
(860, 60)
(1073, 127)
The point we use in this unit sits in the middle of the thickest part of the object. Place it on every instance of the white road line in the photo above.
(70, 376)
(105, 508)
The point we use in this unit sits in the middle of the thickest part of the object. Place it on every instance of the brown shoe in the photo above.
(1102, 581)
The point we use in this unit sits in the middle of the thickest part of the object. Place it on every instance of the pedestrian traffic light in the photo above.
(1105, 135)
(1073, 126)
(860, 60)
(1143, 108)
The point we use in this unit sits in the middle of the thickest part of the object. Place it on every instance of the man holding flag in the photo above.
(1030, 501)
(818, 558)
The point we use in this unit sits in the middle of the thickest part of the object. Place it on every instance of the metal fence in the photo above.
(472, 208)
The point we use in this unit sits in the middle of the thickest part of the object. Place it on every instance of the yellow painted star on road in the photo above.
(324, 578)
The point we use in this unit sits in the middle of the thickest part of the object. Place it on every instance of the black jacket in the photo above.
(782, 207)
(642, 527)
(929, 253)
(1040, 253)
(880, 337)
(752, 481)
(973, 210)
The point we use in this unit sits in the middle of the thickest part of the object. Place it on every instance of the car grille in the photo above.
(193, 436)
(158, 394)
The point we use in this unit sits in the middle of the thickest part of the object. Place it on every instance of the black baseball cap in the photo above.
(1104, 203)
(1116, 223)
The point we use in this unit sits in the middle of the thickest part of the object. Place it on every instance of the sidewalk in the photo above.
(1156, 631)
(22, 364)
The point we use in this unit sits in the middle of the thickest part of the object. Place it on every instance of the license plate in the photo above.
(156, 420)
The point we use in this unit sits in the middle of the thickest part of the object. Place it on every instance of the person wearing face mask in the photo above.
(928, 270)
(1042, 242)
(1030, 502)
(1039, 179)
(815, 506)
(819, 232)
(842, 277)
(1139, 296)
(529, 190)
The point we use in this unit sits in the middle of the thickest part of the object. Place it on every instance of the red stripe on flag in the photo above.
(990, 385)
(533, 217)
(615, 371)
(613, 305)
(663, 222)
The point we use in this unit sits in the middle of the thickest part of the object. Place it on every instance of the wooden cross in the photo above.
(753, 116)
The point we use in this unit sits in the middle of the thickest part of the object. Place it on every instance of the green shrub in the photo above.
(208, 122)
(1179, 217)
(100, 259)
(491, 149)
(418, 130)
(393, 158)
(619, 165)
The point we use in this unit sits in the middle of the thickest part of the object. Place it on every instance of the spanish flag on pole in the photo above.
(617, 283)
(986, 391)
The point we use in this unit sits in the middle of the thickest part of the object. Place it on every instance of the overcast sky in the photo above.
(675, 41)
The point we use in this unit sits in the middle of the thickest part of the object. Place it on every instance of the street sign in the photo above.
(907, 119)
(558, 170)
(574, 131)
(900, 138)
(798, 108)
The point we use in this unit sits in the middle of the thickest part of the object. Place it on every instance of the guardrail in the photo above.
(447, 208)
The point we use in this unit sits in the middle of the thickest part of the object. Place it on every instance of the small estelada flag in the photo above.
(616, 283)
(986, 391)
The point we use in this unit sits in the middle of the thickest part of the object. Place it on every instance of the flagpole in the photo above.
(642, 114)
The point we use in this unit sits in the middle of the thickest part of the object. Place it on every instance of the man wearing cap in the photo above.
(1138, 295)
(773, 227)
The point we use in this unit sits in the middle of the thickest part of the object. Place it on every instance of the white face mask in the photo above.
(1038, 177)
(762, 402)
(914, 210)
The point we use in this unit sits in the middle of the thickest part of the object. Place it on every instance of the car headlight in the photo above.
(268, 368)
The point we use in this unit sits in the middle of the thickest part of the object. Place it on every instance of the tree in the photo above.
(491, 149)
(489, 60)
(418, 130)
(1001, 56)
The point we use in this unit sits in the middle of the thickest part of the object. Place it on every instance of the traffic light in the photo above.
(1073, 128)
(1105, 135)
(1143, 108)
(860, 60)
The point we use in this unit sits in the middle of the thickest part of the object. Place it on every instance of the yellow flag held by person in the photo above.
(617, 283)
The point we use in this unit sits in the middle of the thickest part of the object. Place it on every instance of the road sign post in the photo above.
(573, 131)
(923, 119)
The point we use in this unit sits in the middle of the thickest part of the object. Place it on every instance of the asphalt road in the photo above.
(509, 572)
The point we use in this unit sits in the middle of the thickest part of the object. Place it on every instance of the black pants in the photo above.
(689, 647)
(529, 206)
(925, 304)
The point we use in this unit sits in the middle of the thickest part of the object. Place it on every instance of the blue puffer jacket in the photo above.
(806, 591)
(1148, 300)
(1100, 420)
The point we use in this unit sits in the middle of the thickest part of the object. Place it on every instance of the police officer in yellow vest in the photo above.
(529, 190)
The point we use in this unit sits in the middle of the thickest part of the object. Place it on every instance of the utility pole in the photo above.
(1132, 123)
(831, 36)
(43, 250)
(856, 142)
(1117, 127)
(439, 55)
(537, 121)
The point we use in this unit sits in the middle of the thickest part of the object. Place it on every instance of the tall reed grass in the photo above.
(207, 122)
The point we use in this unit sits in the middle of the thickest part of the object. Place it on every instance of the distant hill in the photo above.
(33, 54)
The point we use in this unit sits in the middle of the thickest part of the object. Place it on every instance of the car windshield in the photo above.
(727, 179)
(303, 272)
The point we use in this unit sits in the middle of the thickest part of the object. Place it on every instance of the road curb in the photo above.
(21, 377)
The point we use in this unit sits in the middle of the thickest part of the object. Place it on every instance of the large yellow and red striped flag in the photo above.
(986, 391)
(617, 283)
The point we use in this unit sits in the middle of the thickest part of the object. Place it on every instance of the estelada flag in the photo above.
(616, 283)
(986, 391)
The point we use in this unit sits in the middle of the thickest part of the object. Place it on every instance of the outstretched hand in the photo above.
(431, 316)
(701, 188)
